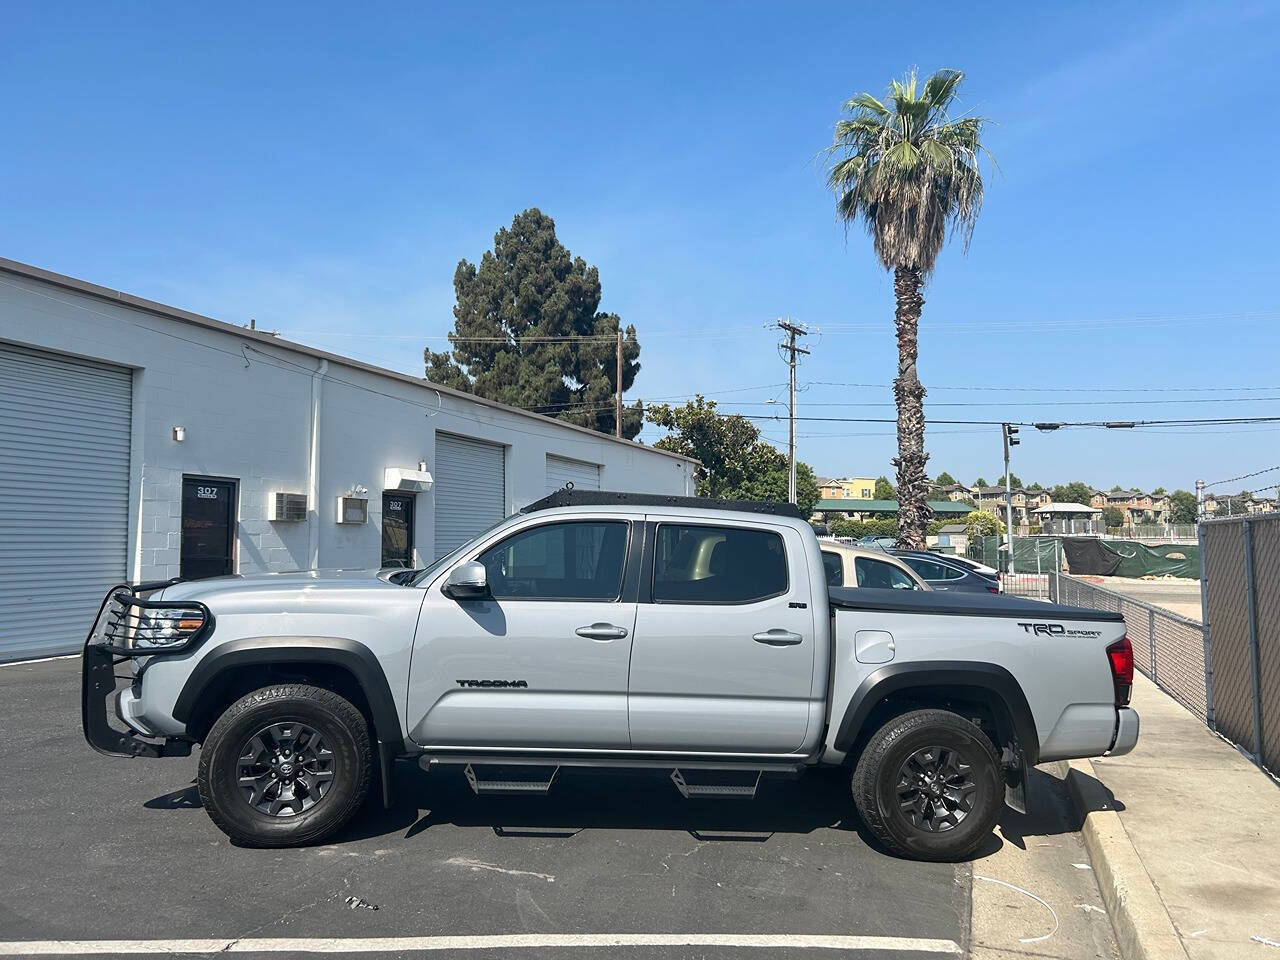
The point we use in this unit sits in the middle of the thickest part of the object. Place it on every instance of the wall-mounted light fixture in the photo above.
(179, 434)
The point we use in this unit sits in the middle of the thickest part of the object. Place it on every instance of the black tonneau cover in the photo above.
(959, 604)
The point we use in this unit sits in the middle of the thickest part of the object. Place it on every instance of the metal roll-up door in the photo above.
(561, 470)
(64, 497)
(470, 489)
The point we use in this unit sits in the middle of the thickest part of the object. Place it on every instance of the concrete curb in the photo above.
(1143, 928)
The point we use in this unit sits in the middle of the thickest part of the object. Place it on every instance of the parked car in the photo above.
(874, 542)
(848, 566)
(973, 565)
(942, 573)
(607, 630)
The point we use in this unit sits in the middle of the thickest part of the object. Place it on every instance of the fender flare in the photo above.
(354, 657)
(898, 677)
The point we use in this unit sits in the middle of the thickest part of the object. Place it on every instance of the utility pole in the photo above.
(617, 427)
(1010, 435)
(792, 330)
(1199, 501)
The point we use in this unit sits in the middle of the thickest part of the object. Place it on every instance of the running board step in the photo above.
(725, 789)
(523, 787)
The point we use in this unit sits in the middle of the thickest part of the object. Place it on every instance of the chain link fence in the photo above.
(1167, 648)
(1241, 589)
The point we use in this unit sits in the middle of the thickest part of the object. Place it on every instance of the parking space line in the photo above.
(36, 948)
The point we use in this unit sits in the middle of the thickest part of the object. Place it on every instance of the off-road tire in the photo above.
(346, 733)
(875, 784)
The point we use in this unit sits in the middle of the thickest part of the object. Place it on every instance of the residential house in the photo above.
(1137, 507)
(955, 492)
(846, 488)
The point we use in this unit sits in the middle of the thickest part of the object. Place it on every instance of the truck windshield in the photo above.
(452, 556)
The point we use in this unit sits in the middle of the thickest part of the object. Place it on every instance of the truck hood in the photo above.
(275, 588)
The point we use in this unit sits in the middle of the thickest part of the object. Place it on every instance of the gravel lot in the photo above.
(106, 849)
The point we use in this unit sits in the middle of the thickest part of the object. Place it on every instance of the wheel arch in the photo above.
(898, 686)
(346, 666)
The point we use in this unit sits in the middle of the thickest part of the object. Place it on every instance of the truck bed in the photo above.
(958, 604)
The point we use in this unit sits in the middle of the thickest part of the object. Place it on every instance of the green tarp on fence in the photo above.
(1131, 559)
(1030, 554)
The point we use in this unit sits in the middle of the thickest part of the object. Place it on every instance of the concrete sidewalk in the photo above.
(1189, 861)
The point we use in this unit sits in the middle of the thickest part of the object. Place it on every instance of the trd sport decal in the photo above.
(507, 684)
(1056, 630)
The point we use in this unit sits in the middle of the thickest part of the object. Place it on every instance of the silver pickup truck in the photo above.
(607, 630)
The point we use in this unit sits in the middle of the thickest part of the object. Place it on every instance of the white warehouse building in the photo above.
(143, 442)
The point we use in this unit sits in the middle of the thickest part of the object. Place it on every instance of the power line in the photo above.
(1244, 476)
(1000, 389)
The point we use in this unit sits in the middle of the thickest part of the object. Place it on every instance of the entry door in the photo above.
(723, 658)
(542, 661)
(397, 529)
(208, 527)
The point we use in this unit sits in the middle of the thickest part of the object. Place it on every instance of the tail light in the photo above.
(1120, 655)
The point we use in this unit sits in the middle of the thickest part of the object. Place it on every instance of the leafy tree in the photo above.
(1073, 492)
(1182, 506)
(1159, 492)
(884, 490)
(1117, 489)
(528, 331)
(1034, 488)
(944, 479)
(733, 462)
(1014, 479)
(908, 175)
(1113, 516)
(983, 523)
(981, 482)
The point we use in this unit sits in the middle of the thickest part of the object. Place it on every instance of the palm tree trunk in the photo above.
(913, 511)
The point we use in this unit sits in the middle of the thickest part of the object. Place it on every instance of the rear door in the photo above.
(723, 657)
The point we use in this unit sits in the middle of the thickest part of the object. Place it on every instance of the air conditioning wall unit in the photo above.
(289, 507)
(353, 510)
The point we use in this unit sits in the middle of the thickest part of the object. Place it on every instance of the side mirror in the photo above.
(467, 581)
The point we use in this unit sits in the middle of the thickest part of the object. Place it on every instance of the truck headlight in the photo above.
(166, 628)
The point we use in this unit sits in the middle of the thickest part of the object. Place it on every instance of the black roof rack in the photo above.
(569, 497)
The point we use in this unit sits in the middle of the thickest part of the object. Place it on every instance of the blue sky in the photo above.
(322, 168)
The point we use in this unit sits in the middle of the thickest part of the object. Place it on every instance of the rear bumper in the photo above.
(1126, 732)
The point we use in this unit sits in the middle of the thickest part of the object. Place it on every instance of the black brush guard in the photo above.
(106, 648)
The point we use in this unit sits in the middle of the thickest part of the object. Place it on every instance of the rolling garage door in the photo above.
(64, 497)
(583, 476)
(470, 488)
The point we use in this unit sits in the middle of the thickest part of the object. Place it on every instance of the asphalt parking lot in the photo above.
(102, 849)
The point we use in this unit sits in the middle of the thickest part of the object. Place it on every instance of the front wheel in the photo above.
(928, 785)
(285, 765)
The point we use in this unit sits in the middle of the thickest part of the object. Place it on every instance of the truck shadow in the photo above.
(583, 799)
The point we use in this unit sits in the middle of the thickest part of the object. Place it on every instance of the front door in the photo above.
(208, 528)
(724, 653)
(540, 662)
(397, 530)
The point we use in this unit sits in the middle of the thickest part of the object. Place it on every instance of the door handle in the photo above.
(777, 637)
(602, 631)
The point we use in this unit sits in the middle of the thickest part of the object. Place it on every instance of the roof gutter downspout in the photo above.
(313, 470)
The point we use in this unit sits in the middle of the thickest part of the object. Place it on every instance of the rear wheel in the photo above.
(928, 785)
(285, 765)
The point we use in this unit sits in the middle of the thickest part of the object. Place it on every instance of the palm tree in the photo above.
(908, 174)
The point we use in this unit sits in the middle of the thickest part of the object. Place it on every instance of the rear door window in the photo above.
(697, 564)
